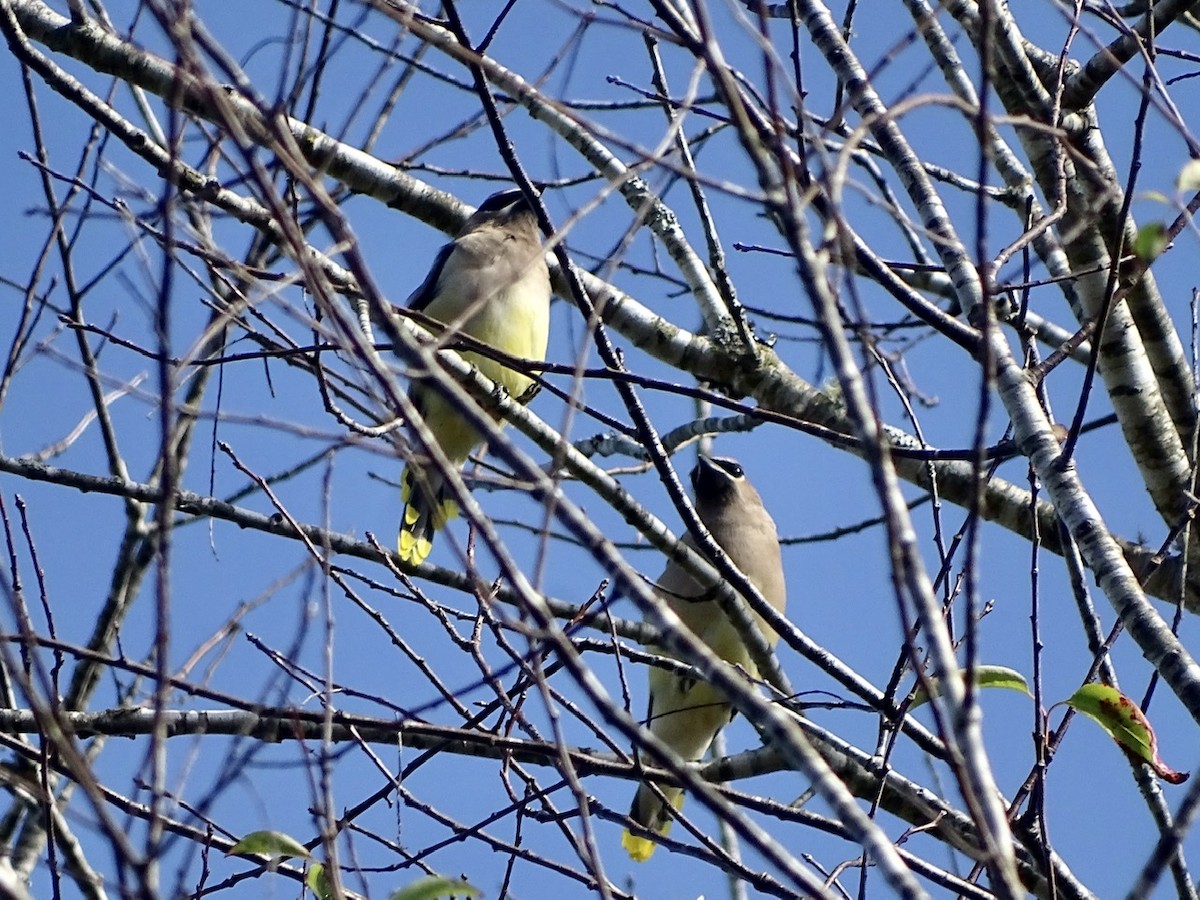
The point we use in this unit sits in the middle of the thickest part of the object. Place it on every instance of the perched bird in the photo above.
(490, 283)
(686, 714)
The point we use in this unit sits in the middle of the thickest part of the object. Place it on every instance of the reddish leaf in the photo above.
(1129, 727)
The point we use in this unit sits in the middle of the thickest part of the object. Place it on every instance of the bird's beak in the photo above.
(706, 472)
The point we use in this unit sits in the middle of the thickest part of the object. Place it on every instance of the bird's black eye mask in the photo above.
(730, 466)
(714, 478)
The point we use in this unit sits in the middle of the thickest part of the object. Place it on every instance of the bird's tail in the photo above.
(649, 811)
(427, 509)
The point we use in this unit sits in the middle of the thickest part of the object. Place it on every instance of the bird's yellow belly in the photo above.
(520, 328)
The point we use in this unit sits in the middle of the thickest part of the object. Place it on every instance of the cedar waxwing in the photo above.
(686, 714)
(490, 283)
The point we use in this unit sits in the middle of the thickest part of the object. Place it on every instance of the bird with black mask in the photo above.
(686, 714)
(491, 284)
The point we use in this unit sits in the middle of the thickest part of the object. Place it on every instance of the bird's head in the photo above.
(715, 480)
(501, 208)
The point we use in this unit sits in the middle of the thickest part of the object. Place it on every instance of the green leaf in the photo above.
(271, 844)
(1189, 176)
(1152, 239)
(985, 677)
(434, 887)
(1128, 725)
(318, 881)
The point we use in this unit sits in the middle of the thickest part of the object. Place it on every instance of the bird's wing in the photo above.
(682, 594)
(421, 297)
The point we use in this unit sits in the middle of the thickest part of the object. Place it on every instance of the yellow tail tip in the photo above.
(447, 511)
(638, 848)
(411, 514)
(412, 549)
